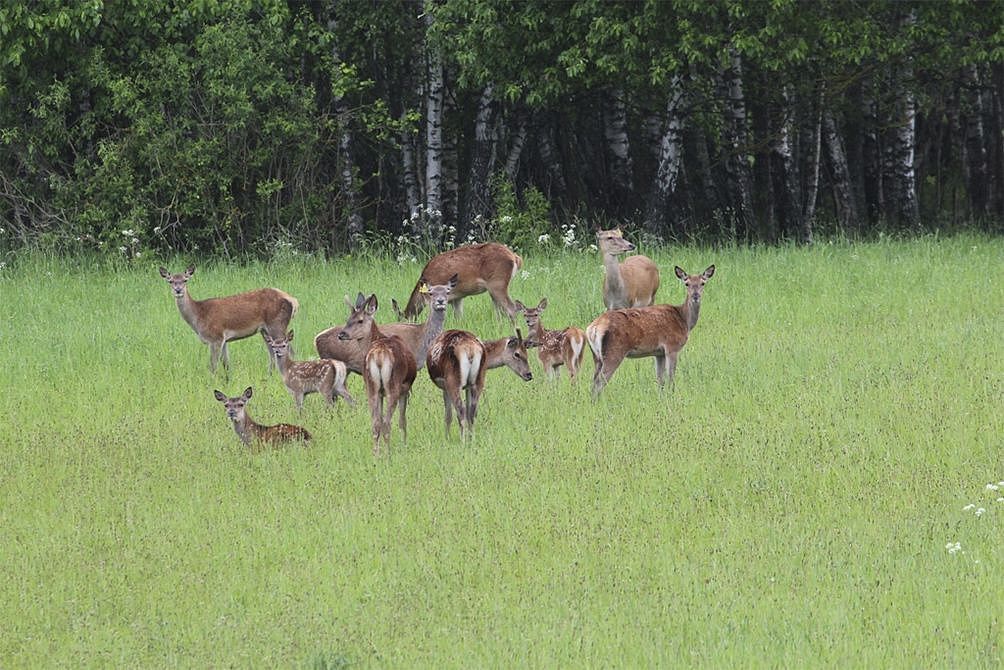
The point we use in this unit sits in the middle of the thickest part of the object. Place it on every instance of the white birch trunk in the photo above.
(843, 193)
(670, 159)
(433, 139)
(615, 131)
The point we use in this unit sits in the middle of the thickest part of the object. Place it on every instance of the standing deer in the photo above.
(660, 331)
(324, 376)
(250, 431)
(388, 370)
(479, 267)
(554, 347)
(458, 361)
(416, 336)
(632, 283)
(218, 321)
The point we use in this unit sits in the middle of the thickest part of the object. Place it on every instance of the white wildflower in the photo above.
(953, 547)
(980, 511)
(543, 239)
(3, 265)
(1000, 484)
(135, 240)
(968, 507)
(156, 230)
(505, 219)
(992, 487)
(593, 247)
(524, 275)
(998, 499)
(122, 249)
(128, 233)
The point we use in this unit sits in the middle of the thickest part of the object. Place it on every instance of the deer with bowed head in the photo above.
(554, 347)
(324, 376)
(388, 370)
(457, 364)
(249, 431)
(659, 331)
(632, 283)
(218, 321)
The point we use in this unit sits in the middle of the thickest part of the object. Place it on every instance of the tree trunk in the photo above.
(409, 169)
(433, 140)
(551, 159)
(997, 141)
(784, 178)
(874, 190)
(667, 173)
(615, 132)
(516, 148)
(478, 200)
(974, 148)
(843, 192)
(346, 160)
(901, 201)
(812, 173)
(737, 163)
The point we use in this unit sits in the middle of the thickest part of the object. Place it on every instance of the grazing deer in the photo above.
(416, 336)
(479, 267)
(218, 321)
(388, 370)
(324, 376)
(660, 331)
(554, 347)
(632, 283)
(250, 431)
(510, 352)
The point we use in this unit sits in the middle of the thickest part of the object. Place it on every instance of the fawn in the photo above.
(324, 376)
(249, 431)
(554, 347)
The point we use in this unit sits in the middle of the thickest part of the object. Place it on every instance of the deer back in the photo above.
(278, 433)
(639, 330)
(244, 314)
(477, 267)
(640, 278)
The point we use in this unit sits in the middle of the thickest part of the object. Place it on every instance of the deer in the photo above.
(554, 347)
(218, 321)
(632, 283)
(479, 267)
(458, 361)
(388, 370)
(325, 376)
(659, 331)
(249, 431)
(416, 336)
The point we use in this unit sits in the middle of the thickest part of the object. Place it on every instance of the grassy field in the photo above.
(788, 504)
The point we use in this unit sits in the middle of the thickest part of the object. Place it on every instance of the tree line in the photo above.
(233, 127)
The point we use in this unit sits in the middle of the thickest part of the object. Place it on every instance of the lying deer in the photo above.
(249, 431)
(416, 336)
(218, 321)
(388, 370)
(324, 376)
(632, 283)
(554, 347)
(660, 331)
(458, 361)
(479, 268)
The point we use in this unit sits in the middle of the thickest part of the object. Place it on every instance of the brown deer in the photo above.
(554, 347)
(479, 267)
(388, 370)
(324, 376)
(218, 321)
(510, 352)
(632, 283)
(660, 331)
(249, 431)
(458, 361)
(416, 336)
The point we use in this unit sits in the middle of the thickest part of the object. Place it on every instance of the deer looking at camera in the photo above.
(554, 347)
(218, 321)
(457, 363)
(249, 431)
(324, 376)
(388, 370)
(659, 331)
(479, 268)
(632, 283)
(416, 336)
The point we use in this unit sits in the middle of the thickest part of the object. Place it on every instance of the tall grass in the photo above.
(789, 503)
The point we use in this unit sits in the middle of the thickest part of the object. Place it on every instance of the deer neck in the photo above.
(432, 327)
(690, 312)
(613, 268)
(284, 363)
(537, 333)
(243, 428)
(189, 309)
(493, 353)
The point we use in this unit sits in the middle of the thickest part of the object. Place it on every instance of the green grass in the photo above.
(788, 504)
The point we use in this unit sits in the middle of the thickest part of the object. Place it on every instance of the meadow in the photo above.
(795, 501)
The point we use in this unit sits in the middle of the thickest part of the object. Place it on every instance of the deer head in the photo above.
(613, 242)
(234, 406)
(532, 314)
(694, 283)
(178, 281)
(516, 358)
(360, 320)
(279, 345)
(438, 297)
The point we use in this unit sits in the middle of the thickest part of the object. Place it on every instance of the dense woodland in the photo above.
(233, 127)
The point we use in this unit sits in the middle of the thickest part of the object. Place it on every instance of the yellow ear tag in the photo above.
(424, 288)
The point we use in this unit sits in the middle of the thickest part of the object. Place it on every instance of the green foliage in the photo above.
(521, 224)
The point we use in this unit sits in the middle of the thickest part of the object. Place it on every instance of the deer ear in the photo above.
(520, 307)
(247, 393)
(289, 336)
(164, 273)
(189, 271)
(219, 396)
(454, 280)
(710, 271)
(371, 304)
(680, 273)
(542, 304)
(360, 300)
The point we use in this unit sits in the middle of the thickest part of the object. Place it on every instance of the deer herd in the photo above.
(389, 356)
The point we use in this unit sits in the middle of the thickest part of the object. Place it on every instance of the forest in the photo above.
(235, 128)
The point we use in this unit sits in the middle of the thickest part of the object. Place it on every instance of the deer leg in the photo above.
(344, 393)
(503, 304)
(214, 356)
(603, 374)
(225, 356)
(449, 410)
(473, 396)
(671, 368)
(660, 370)
(376, 419)
(402, 416)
